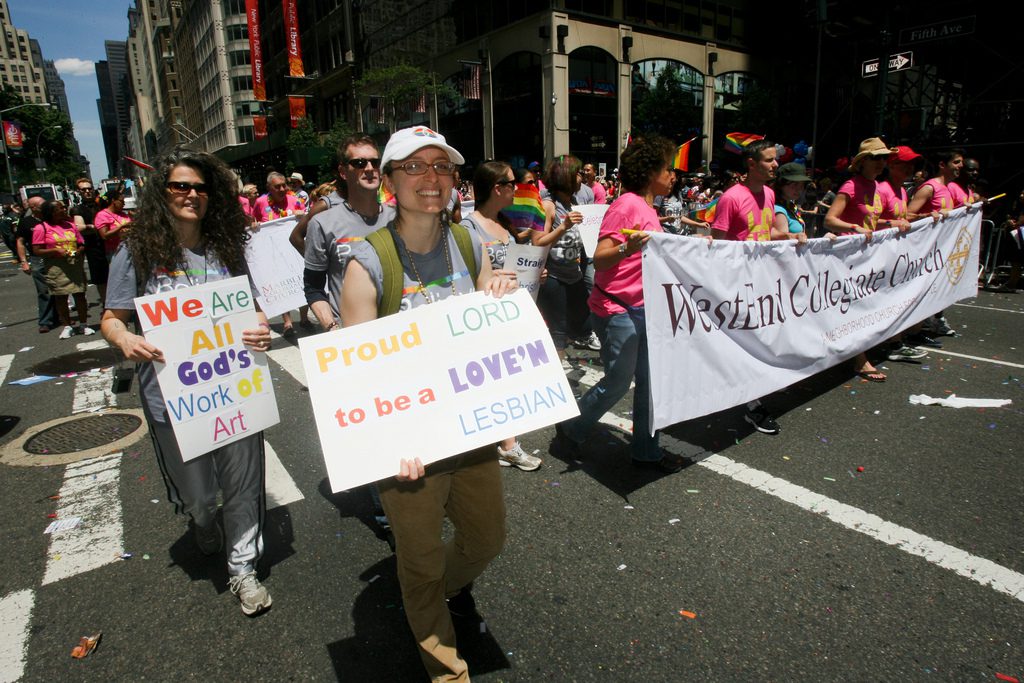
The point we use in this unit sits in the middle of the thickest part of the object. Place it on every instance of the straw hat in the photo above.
(872, 147)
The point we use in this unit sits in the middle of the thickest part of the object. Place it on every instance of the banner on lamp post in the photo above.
(259, 127)
(13, 137)
(297, 110)
(252, 14)
(292, 43)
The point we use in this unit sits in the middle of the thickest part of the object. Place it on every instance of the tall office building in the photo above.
(114, 104)
(20, 70)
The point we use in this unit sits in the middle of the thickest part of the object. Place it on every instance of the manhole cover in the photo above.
(82, 435)
(79, 361)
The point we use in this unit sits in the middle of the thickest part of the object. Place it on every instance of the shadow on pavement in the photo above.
(357, 503)
(278, 537)
(383, 648)
(7, 424)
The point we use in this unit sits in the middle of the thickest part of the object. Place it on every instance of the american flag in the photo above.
(471, 82)
(421, 104)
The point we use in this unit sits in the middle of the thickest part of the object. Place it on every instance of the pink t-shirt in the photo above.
(266, 211)
(958, 194)
(600, 195)
(864, 203)
(107, 219)
(745, 216)
(625, 280)
(894, 201)
(246, 209)
(941, 198)
(63, 235)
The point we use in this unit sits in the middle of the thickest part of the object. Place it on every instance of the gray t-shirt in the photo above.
(438, 281)
(330, 236)
(122, 290)
(584, 195)
(564, 258)
(496, 249)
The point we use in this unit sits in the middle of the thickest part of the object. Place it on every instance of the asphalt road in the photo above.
(770, 558)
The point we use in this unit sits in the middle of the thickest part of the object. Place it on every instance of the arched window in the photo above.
(667, 98)
(518, 111)
(593, 105)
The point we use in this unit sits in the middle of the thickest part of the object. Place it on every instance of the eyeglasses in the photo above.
(420, 167)
(85, 189)
(177, 187)
(363, 163)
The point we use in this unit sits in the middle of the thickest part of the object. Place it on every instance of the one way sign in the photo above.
(897, 62)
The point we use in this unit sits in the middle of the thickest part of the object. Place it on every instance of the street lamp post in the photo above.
(40, 161)
(7, 152)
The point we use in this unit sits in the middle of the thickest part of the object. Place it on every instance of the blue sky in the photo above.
(68, 30)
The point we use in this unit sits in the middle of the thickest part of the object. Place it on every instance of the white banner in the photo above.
(276, 267)
(735, 321)
(432, 382)
(593, 214)
(215, 389)
(528, 262)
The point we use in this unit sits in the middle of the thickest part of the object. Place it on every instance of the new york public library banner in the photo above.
(735, 321)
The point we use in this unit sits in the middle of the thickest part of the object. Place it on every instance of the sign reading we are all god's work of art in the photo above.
(216, 390)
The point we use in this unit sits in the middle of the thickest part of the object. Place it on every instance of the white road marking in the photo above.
(15, 615)
(281, 488)
(290, 358)
(975, 568)
(943, 352)
(93, 345)
(5, 366)
(93, 390)
(978, 569)
(90, 491)
(989, 308)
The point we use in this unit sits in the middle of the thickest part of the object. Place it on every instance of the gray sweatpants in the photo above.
(237, 470)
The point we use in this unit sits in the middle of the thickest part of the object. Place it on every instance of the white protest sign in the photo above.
(593, 214)
(528, 262)
(432, 382)
(216, 391)
(276, 267)
(734, 321)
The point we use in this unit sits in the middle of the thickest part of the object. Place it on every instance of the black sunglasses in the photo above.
(361, 163)
(177, 187)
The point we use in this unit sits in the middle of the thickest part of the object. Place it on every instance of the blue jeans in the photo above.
(624, 354)
(47, 314)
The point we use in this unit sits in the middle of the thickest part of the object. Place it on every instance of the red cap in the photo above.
(904, 153)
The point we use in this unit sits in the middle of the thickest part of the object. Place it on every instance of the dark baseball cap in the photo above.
(793, 173)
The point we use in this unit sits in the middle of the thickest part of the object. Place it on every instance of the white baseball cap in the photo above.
(296, 176)
(408, 141)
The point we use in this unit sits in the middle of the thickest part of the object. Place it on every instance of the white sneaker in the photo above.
(251, 593)
(591, 342)
(86, 330)
(67, 332)
(517, 457)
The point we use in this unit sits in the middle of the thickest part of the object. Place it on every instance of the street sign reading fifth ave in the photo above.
(940, 30)
(898, 62)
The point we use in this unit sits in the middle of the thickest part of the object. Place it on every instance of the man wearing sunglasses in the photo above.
(331, 232)
(95, 253)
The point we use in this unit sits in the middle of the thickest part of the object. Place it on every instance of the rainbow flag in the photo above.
(526, 211)
(705, 212)
(735, 142)
(682, 158)
(385, 197)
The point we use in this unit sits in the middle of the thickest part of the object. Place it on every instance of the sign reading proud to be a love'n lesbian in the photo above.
(432, 382)
(216, 391)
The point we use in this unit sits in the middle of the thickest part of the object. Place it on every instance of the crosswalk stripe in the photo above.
(92, 345)
(5, 366)
(93, 390)
(15, 616)
(290, 359)
(978, 569)
(281, 488)
(90, 491)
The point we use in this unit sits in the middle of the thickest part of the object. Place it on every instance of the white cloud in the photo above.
(72, 66)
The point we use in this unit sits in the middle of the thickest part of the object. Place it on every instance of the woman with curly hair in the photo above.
(58, 242)
(190, 230)
(617, 305)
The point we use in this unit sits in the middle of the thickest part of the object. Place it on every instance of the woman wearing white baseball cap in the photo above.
(438, 259)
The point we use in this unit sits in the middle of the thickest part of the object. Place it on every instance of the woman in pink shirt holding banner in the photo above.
(617, 305)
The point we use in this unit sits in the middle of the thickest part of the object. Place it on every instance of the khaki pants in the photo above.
(467, 488)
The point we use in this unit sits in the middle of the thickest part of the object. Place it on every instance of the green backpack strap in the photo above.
(383, 242)
(465, 245)
(391, 265)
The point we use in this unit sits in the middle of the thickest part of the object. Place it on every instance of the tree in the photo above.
(304, 136)
(338, 132)
(399, 88)
(52, 130)
(668, 109)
